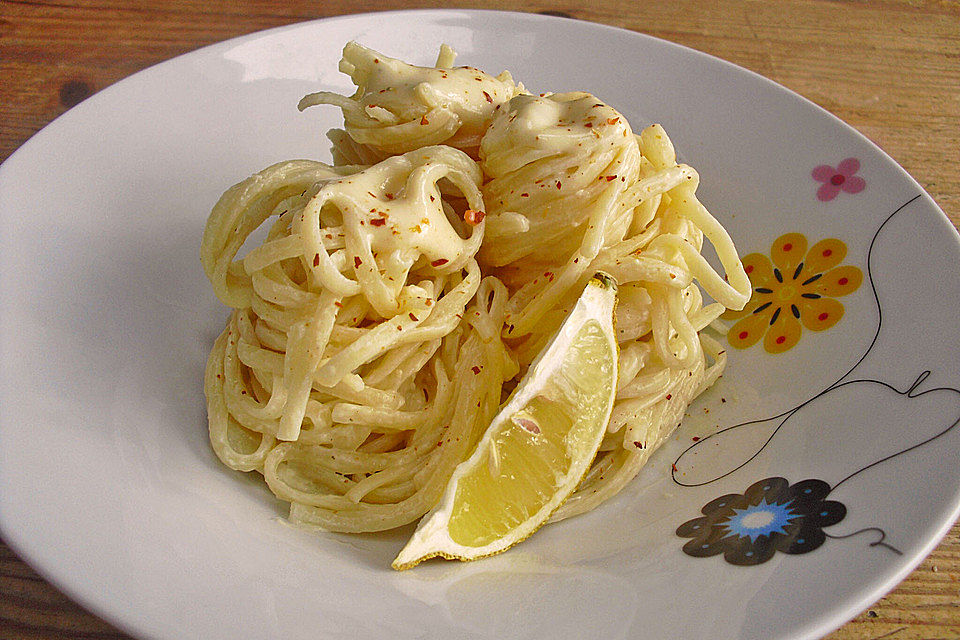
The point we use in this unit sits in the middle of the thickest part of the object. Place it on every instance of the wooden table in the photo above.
(890, 68)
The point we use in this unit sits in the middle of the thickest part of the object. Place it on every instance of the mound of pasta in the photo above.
(398, 295)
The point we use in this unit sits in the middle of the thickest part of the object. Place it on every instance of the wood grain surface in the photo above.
(890, 68)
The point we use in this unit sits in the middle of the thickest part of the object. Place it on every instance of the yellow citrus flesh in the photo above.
(537, 448)
(534, 447)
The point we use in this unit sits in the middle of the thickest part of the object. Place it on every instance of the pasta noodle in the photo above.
(398, 294)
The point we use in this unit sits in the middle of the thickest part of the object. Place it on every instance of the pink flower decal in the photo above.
(843, 178)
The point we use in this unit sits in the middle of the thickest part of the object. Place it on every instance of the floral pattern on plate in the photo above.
(793, 289)
(771, 515)
(843, 177)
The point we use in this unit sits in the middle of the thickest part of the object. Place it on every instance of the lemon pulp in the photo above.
(537, 449)
(535, 446)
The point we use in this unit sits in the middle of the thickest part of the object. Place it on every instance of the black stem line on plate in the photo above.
(877, 543)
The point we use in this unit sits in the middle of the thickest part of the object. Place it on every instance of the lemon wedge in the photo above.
(538, 447)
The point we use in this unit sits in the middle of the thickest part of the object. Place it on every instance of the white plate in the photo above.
(109, 487)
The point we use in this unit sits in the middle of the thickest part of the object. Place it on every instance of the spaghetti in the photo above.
(398, 293)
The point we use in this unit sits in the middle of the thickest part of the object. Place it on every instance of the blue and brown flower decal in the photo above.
(794, 289)
(771, 515)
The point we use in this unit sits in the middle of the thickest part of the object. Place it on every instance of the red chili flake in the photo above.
(473, 217)
(781, 339)
(424, 120)
(610, 178)
(432, 199)
(827, 253)
(823, 316)
(669, 395)
(413, 317)
(749, 269)
(588, 125)
(316, 260)
(787, 247)
(370, 193)
(558, 184)
(613, 120)
(439, 263)
(723, 399)
(672, 276)
(376, 61)
(743, 335)
(524, 195)
(338, 304)
(475, 369)
(243, 393)
(357, 261)
(673, 468)
(378, 222)
(638, 444)
(842, 281)
(487, 97)
(429, 303)
(389, 196)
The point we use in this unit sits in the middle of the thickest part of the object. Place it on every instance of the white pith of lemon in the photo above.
(538, 447)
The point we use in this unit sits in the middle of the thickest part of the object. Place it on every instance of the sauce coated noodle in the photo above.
(399, 292)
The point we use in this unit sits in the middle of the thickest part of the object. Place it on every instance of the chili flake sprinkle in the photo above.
(473, 217)
(357, 261)
(439, 262)
(316, 260)
(424, 120)
(486, 96)
(413, 317)
(378, 222)
(475, 369)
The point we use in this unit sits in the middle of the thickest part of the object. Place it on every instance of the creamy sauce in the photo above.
(397, 207)
(533, 127)
(407, 91)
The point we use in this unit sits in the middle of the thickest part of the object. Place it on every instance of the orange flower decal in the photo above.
(792, 289)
